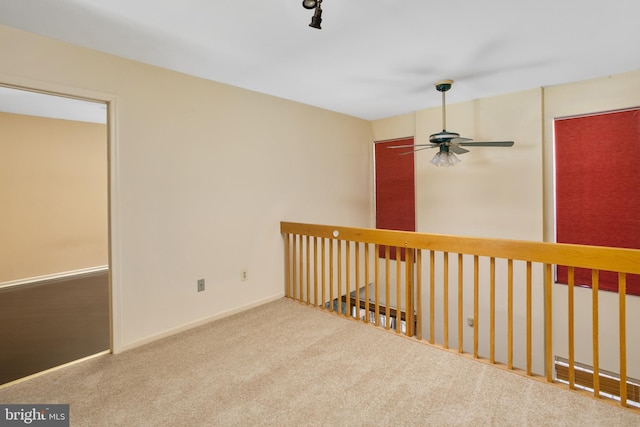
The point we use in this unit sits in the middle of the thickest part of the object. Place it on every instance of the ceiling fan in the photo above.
(449, 143)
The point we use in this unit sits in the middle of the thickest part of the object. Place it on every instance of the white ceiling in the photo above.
(372, 59)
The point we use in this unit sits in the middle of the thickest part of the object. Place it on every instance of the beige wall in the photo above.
(202, 175)
(53, 187)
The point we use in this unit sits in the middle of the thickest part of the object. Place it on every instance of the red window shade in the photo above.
(395, 187)
(598, 187)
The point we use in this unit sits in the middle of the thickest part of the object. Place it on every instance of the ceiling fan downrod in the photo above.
(442, 86)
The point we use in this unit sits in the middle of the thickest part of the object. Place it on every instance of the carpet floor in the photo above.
(284, 364)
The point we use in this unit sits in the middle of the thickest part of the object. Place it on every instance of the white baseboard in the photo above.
(197, 323)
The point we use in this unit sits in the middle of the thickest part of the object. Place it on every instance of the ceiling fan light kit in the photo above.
(449, 143)
(445, 159)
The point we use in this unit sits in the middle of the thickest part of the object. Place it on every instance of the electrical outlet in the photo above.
(470, 321)
(244, 275)
(200, 285)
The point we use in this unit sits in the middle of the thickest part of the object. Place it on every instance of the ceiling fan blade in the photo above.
(460, 139)
(487, 143)
(417, 149)
(415, 145)
(458, 150)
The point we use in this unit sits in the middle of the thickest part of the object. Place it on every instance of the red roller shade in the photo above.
(395, 187)
(598, 187)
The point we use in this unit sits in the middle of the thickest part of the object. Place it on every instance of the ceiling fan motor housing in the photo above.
(442, 137)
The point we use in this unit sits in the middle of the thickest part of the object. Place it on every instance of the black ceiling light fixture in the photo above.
(316, 19)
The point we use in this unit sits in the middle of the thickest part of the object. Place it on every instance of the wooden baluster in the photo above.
(529, 344)
(301, 269)
(445, 296)
(460, 304)
(339, 297)
(294, 253)
(294, 266)
(348, 278)
(409, 294)
(594, 314)
(476, 292)
(622, 296)
(419, 294)
(492, 310)
(324, 272)
(510, 313)
(331, 273)
(398, 291)
(357, 286)
(308, 250)
(432, 296)
(377, 284)
(315, 271)
(548, 325)
(287, 266)
(366, 282)
(571, 314)
(387, 287)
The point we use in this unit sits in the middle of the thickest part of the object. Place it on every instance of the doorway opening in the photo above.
(54, 260)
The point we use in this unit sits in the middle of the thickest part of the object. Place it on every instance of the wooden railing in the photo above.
(423, 284)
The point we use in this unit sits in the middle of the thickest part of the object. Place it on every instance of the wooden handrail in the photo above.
(582, 256)
(349, 271)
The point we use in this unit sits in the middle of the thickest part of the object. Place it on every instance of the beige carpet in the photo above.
(285, 364)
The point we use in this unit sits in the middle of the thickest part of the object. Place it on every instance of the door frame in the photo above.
(113, 192)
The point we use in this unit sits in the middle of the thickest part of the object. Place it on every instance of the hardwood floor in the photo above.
(49, 323)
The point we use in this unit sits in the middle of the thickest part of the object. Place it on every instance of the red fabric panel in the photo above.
(598, 187)
(395, 188)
